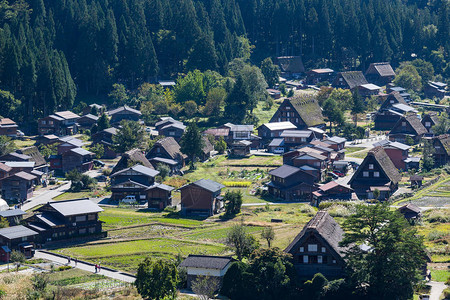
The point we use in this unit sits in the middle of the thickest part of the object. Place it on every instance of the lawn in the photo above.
(361, 154)
(263, 114)
(440, 275)
(24, 143)
(72, 276)
(350, 150)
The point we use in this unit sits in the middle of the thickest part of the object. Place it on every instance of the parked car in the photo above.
(101, 178)
(279, 150)
(338, 173)
(333, 175)
(129, 199)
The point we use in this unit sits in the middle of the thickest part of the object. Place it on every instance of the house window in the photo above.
(287, 114)
(43, 122)
(296, 120)
(24, 239)
(82, 231)
(158, 150)
(302, 249)
(427, 124)
(288, 107)
(91, 217)
(404, 124)
(376, 174)
(171, 132)
(365, 174)
(319, 259)
(317, 164)
(392, 101)
(80, 218)
(334, 261)
(324, 250)
(312, 248)
(305, 259)
(92, 230)
(50, 122)
(370, 166)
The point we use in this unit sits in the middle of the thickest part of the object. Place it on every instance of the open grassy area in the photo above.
(350, 150)
(437, 194)
(24, 143)
(264, 115)
(440, 275)
(72, 276)
(359, 154)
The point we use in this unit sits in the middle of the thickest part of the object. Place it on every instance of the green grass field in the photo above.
(440, 275)
(350, 150)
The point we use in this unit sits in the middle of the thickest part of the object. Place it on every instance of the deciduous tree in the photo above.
(130, 135)
(157, 279)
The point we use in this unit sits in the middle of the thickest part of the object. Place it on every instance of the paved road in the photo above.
(436, 289)
(45, 197)
(84, 266)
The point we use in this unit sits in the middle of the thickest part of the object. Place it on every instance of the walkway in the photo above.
(436, 289)
(45, 197)
(85, 266)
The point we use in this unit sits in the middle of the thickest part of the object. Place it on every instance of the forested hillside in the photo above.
(51, 50)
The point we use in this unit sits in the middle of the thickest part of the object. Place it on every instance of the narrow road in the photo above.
(436, 289)
(84, 266)
(45, 197)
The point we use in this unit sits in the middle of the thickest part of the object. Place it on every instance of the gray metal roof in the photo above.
(296, 133)
(206, 262)
(124, 108)
(20, 164)
(284, 171)
(140, 169)
(403, 107)
(16, 232)
(164, 160)
(75, 207)
(161, 186)
(280, 125)
(276, 142)
(335, 139)
(81, 151)
(12, 213)
(209, 185)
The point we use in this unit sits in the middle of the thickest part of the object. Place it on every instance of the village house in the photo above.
(407, 126)
(77, 158)
(217, 133)
(164, 121)
(34, 154)
(335, 142)
(206, 149)
(8, 127)
(332, 190)
(124, 113)
(402, 91)
(316, 76)
(18, 238)
(159, 196)
(369, 89)
(396, 151)
(206, 265)
(167, 151)
(301, 112)
(175, 130)
(87, 121)
(105, 138)
(275, 94)
(295, 138)
(13, 216)
(130, 158)
(14, 156)
(238, 132)
(94, 109)
(273, 130)
(390, 111)
(290, 66)
(48, 139)
(20, 166)
(411, 212)
(429, 120)
(441, 146)
(66, 219)
(132, 181)
(240, 148)
(4, 171)
(416, 181)
(314, 160)
(380, 73)
(435, 89)
(316, 248)
(325, 149)
(18, 187)
(291, 183)
(201, 198)
(349, 80)
(276, 146)
(60, 123)
(376, 172)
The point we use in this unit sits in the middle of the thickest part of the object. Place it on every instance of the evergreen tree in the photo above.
(357, 106)
(270, 71)
(129, 136)
(191, 143)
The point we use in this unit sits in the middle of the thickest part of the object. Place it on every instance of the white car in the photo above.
(129, 199)
(279, 150)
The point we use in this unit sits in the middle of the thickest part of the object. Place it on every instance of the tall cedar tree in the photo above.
(129, 136)
(191, 143)
(389, 264)
(237, 102)
(357, 105)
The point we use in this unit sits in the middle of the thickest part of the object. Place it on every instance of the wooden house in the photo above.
(206, 265)
(94, 109)
(105, 138)
(408, 125)
(20, 166)
(429, 120)
(201, 198)
(349, 80)
(60, 123)
(124, 113)
(159, 196)
(335, 142)
(18, 187)
(8, 127)
(332, 190)
(134, 181)
(402, 91)
(316, 248)
(295, 138)
(167, 151)
(411, 212)
(4, 171)
(238, 132)
(269, 131)
(13, 216)
(316, 76)
(441, 145)
(376, 172)
(48, 139)
(36, 156)
(275, 94)
(66, 220)
(130, 158)
(276, 146)
(396, 151)
(435, 89)
(290, 66)
(380, 73)
(164, 121)
(206, 149)
(18, 238)
(291, 183)
(77, 158)
(218, 133)
(390, 111)
(240, 148)
(369, 89)
(416, 181)
(301, 112)
(313, 160)
(87, 121)
(175, 130)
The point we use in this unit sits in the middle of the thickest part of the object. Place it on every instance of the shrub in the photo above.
(436, 235)
(339, 211)
(437, 216)
(308, 210)
(63, 268)
(106, 171)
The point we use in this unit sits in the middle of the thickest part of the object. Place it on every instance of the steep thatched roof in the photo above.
(207, 146)
(308, 109)
(395, 98)
(171, 146)
(415, 123)
(132, 157)
(35, 155)
(323, 225)
(353, 78)
(445, 141)
(291, 64)
(383, 69)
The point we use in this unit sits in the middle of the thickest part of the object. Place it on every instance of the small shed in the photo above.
(416, 180)
(241, 148)
(205, 265)
(411, 212)
(159, 196)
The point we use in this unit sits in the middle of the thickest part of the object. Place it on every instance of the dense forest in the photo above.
(50, 51)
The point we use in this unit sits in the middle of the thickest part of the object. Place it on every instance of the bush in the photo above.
(63, 268)
(106, 171)
(339, 211)
(437, 216)
(436, 235)
(308, 210)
